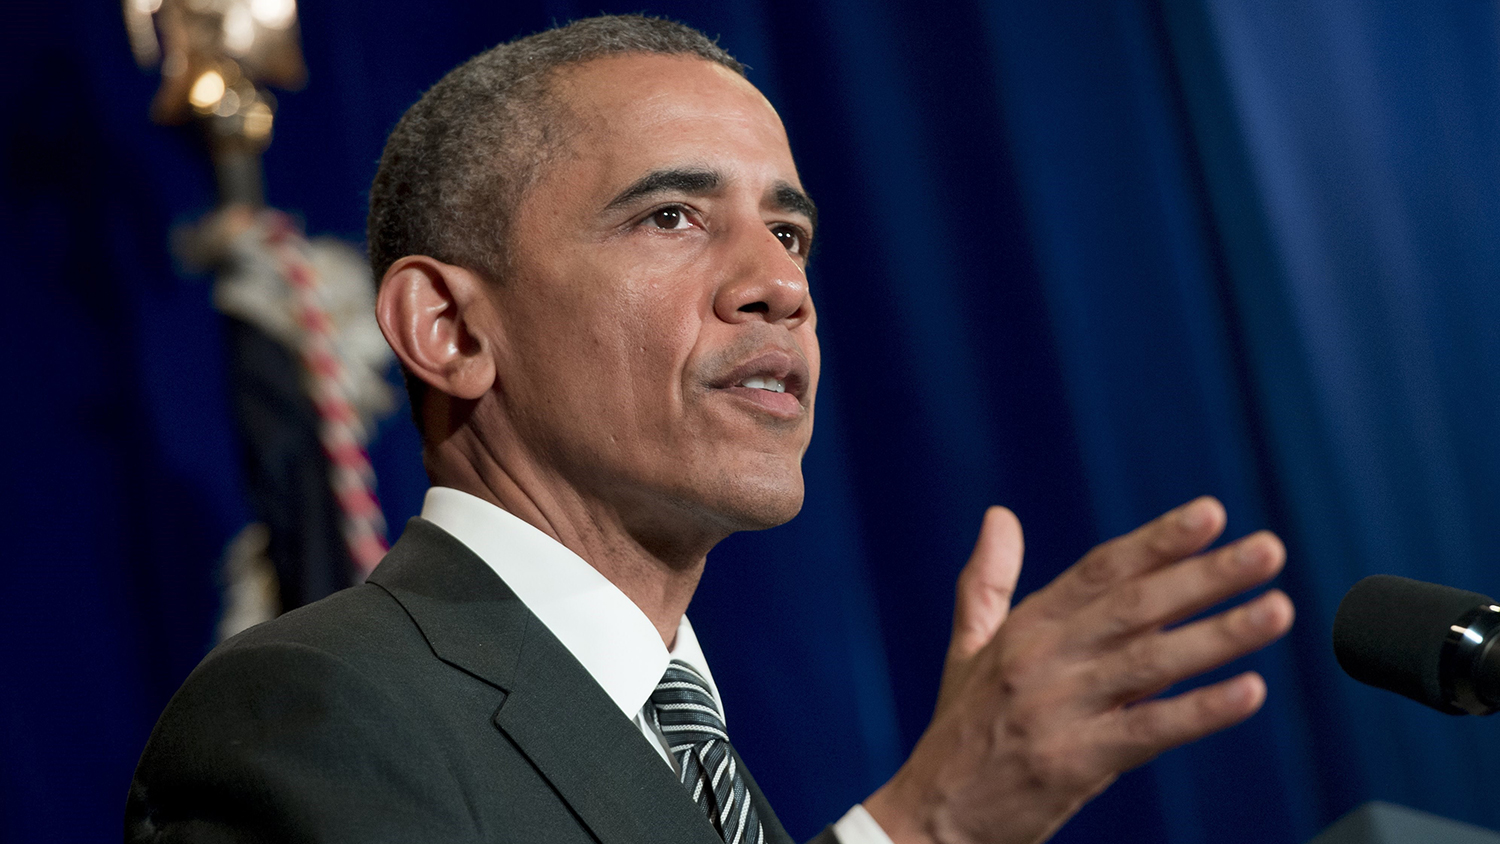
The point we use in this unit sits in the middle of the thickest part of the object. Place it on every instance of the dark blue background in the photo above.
(1085, 259)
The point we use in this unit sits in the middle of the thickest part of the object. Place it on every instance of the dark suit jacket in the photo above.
(427, 704)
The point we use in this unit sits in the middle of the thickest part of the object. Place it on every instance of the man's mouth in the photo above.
(776, 381)
(764, 382)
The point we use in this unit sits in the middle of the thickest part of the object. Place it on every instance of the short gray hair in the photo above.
(458, 162)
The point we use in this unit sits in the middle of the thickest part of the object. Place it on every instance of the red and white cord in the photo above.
(340, 429)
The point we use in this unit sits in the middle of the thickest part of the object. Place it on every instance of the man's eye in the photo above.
(670, 217)
(791, 238)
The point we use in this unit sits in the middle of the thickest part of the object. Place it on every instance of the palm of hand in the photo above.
(1044, 704)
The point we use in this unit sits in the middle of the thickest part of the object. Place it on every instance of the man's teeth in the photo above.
(762, 382)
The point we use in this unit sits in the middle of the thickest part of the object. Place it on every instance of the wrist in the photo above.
(902, 811)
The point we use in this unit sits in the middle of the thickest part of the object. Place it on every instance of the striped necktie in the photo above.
(689, 718)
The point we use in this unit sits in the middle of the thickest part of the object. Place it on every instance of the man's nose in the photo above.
(764, 284)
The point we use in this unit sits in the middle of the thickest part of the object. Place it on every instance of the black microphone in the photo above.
(1434, 644)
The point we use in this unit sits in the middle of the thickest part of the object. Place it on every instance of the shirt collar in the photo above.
(603, 629)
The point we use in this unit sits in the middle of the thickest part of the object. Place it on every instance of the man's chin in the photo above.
(742, 502)
(757, 506)
(687, 524)
(769, 514)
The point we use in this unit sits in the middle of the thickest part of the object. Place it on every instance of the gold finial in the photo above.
(215, 55)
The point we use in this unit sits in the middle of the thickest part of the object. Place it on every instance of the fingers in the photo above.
(1177, 591)
(1052, 688)
(1147, 664)
(1138, 733)
(987, 583)
(1167, 539)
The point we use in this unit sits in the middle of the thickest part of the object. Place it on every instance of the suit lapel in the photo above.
(554, 711)
(613, 778)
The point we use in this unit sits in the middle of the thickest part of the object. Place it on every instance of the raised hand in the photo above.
(1043, 705)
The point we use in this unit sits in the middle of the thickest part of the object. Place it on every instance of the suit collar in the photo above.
(599, 625)
(554, 712)
(469, 616)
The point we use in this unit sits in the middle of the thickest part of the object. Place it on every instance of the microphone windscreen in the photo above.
(1389, 632)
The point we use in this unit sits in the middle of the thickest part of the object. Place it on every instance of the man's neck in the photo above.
(658, 576)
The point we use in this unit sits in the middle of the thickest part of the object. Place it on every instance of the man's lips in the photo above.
(775, 379)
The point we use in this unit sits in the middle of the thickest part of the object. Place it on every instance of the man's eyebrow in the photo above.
(785, 197)
(691, 181)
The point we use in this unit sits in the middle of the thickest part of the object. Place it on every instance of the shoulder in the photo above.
(341, 721)
(352, 638)
(305, 671)
(347, 623)
(301, 728)
(374, 620)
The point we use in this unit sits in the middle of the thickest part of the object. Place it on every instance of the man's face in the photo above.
(657, 352)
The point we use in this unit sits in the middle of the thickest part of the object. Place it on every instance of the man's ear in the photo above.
(436, 317)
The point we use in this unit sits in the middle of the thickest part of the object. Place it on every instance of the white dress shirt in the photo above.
(603, 629)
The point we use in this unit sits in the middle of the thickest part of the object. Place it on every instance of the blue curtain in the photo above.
(1085, 259)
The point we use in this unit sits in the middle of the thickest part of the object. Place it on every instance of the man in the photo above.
(592, 245)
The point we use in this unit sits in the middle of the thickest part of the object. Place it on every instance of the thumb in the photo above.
(987, 583)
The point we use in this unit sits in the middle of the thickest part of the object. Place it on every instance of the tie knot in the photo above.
(685, 708)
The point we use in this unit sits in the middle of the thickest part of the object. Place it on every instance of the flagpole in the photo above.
(307, 382)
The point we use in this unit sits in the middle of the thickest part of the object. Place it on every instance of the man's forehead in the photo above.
(640, 113)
